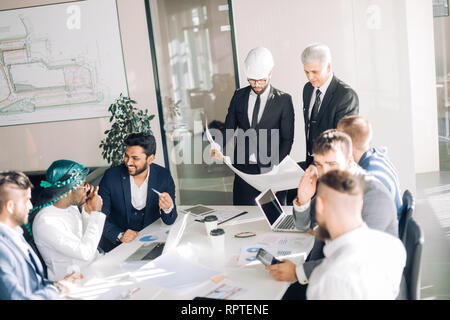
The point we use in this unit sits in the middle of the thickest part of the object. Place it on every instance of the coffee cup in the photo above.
(210, 223)
(217, 238)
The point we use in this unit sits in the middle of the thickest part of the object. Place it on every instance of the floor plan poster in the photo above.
(60, 62)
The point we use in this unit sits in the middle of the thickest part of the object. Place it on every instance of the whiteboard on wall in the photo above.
(60, 62)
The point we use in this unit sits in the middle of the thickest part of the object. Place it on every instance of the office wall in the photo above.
(33, 147)
(372, 50)
(382, 48)
(419, 18)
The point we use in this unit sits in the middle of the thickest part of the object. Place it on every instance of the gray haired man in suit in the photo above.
(326, 98)
(332, 150)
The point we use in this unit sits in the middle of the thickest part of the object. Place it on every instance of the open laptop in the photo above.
(273, 212)
(148, 252)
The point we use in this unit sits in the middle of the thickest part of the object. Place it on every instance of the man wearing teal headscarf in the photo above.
(67, 239)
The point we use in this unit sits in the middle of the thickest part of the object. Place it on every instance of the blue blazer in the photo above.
(115, 191)
(20, 278)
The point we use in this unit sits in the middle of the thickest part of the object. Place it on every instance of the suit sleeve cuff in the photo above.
(168, 210)
(301, 208)
(300, 272)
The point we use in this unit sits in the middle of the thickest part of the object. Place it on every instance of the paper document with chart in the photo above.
(284, 176)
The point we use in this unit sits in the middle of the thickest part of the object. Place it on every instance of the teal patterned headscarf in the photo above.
(62, 177)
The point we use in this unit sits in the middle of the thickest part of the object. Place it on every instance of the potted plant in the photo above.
(125, 119)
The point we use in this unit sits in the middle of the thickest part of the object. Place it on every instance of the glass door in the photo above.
(195, 72)
(442, 61)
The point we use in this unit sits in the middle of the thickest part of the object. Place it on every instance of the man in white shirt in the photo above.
(359, 263)
(21, 271)
(135, 193)
(67, 239)
(332, 150)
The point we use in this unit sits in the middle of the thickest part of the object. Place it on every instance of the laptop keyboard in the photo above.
(287, 223)
(155, 253)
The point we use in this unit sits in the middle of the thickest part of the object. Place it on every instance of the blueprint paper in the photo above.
(284, 176)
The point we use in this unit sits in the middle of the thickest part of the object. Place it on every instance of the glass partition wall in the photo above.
(442, 60)
(195, 78)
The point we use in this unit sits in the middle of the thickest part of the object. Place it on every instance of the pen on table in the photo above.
(238, 215)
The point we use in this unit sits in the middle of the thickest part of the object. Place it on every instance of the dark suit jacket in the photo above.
(339, 101)
(278, 114)
(115, 191)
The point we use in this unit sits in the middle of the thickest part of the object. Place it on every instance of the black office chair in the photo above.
(412, 272)
(407, 212)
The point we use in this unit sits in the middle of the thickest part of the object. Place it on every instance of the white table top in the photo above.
(105, 279)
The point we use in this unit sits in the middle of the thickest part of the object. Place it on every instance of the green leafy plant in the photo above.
(125, 119)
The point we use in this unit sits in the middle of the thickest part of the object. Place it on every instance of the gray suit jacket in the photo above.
(21, 276)
(379, 212)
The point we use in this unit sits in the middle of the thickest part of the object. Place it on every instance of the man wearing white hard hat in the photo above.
(262, 118)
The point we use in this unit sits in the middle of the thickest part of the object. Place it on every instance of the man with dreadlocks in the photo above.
(66, 238)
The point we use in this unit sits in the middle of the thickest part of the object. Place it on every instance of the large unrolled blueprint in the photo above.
(286, 175)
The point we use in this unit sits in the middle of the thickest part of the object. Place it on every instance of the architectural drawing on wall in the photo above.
(59, 62)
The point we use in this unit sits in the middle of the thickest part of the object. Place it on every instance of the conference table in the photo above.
(234, 270)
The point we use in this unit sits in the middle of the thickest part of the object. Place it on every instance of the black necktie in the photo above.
(316, 105)
(313, 119)
(256, 112)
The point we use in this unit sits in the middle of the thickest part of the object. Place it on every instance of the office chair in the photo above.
(407, 212)
(412, 272)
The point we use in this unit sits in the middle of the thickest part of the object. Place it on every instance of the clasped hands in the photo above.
(93, 202)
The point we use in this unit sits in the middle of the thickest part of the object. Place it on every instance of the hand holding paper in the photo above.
(216, 154)
(284, 176)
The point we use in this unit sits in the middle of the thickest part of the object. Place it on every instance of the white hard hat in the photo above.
(259, 63)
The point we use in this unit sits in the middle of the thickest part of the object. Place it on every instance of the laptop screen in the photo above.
(270, 206)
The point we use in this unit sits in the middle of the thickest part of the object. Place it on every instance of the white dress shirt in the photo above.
(361, 264)
(251, 106)
(323, 90)
(139, 194)
(67, 239)
(252, 100)
(17, 234)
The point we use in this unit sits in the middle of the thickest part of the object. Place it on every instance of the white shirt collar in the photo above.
(263, 95)
(324, 87)
(145, 181)
(17, 234)
(347, 238)
(139, 194)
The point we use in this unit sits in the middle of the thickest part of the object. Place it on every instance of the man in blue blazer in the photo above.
(135, 193)
(21, 271)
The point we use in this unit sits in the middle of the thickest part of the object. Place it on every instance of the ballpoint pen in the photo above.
(156, 191)
(238, 215)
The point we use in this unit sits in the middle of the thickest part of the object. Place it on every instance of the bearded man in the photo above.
(136, 193)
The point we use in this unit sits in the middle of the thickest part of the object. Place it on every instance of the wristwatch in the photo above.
(119, 236)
